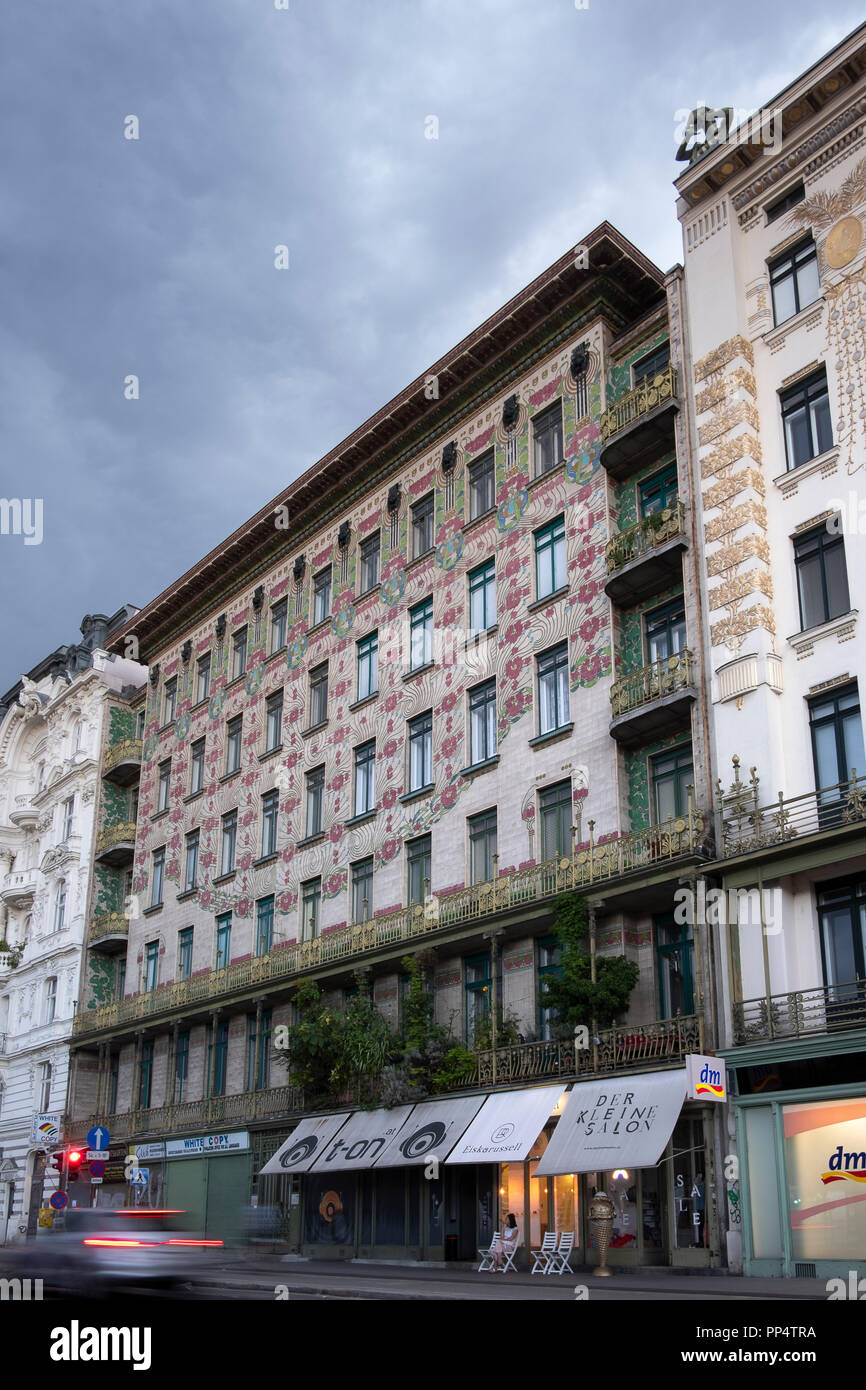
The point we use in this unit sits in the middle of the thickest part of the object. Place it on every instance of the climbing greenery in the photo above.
(575, 997)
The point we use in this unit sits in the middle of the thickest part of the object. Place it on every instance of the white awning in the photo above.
(363, 1139)
(304, 1144)
(615, 1122)
(507, 1126)
(431, 1131)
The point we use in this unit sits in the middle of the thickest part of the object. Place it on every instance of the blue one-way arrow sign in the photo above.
(98, 1138)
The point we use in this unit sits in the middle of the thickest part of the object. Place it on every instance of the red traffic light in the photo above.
(75, 1156)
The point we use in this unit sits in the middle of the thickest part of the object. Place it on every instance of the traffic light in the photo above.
(58, 1159)
(74, 1160)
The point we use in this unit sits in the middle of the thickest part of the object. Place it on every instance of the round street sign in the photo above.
(97, 1169)
(58, 1200)
(98, 1138)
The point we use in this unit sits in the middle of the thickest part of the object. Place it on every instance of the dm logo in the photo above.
(501, 1133)
(709, 1083)
(298, 1152)
(423, 1140)
(842, 1167)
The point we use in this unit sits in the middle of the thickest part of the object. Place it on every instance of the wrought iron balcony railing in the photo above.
(589, 863)
(651, 531)
(114, 835)
(747, 825)
(108, 924)
(643, 399)
(663, 677)
(128, 750)
(802, 1013)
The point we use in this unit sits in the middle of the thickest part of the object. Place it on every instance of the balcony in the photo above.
(109, 933)
(801, 1014)
(115, 846)
(8, 962)
(513, 892)
(273, 1103)
(24, 814)
(647, 557)
(640, 425)
(121, 763)
(749, 826)
(18, 887)
(654, 701)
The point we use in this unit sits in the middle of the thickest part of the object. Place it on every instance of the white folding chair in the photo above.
(542, 1256)
(487, 1255)
(508, 1257)
(559, 1260)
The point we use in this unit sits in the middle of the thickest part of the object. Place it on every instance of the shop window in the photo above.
(689, 1193)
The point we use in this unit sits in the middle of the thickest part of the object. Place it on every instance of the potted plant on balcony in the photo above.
(575, 997)
(430, 1060)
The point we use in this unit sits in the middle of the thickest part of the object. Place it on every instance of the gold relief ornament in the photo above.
(843, 242)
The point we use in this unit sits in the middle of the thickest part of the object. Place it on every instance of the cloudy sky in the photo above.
(303, 127)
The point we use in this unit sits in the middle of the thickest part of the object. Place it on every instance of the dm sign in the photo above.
(706, 1078)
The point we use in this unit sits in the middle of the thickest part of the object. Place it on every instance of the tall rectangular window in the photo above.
(549, 968)
(315, 799)
(365, 778)
(370, 562)
(229, 842)
(482, 722)
(322, 596)
(163, 785)
(44, 1085)
(223, 940)
(196, 766)
(553, 708)
(279, 615)
(270, 816)
(169, 703)
(239, 653)
(478, 982)
(418, 866)
(217, 1059)
(547, 439)
(482, 596)
(274, 721)
(362, 891)
(68, 810)
(822, 578)
(264, 926)
(806, 419)
(318, 695)
(794, 280)
(842, 914)
(151, 966)
(671, 775)
(421, 634)
(145, 1074)
(550, 558)
(311, 903)
(192, 843)
(555, 814)
(202, 679)
(258, 1045)
(665, 630)
(422, 526)
(120, 983)
(181, 1065)
(649, 367)
(368, 665)
(837, 737)
(50, 1006)
(421, 751)
(659, 492)
(184, 953)
(482, 846)
(157, 877)
(234, 739)
(482, 485)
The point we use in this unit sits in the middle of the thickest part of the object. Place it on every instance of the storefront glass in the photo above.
(689, 1194)
(825, 1164)
(763, 1185)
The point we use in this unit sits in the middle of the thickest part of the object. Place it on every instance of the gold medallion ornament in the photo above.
(843, 242)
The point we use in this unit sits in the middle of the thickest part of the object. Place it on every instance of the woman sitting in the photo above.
(507, 1242)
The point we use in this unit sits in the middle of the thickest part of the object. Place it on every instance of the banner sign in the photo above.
(616, 1122)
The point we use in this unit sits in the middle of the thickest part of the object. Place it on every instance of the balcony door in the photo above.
(842, 914)
(837, 748)
(675, 953)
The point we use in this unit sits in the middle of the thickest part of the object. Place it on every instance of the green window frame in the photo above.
(482, 846)
(184, 953)
(477, 983)
(223, 940)
(368, 665)
(418, 868)
(421, 634)
(264, 925)
(675, 963)
(556, 816)
(671, 773)
(482, 597)
(665, 631)
(660, 491)
(548, 967)
(550, 558)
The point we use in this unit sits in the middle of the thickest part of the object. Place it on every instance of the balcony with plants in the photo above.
(640, 424)
(646, 558)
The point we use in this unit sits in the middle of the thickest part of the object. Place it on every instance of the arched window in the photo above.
(60, 906)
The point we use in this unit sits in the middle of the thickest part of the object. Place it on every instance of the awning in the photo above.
(507, 1126)
(431, 1131)
(304, 1144)
(362, 1140)
(615, 1122)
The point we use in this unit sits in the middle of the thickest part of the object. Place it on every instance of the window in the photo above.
(422, 526)
(68, 809)
(79, 736)
(482, 722)
(322, 596)
(229, 842)
(315, 797)
(234, 736)
(553, 708)
(163, 785)
(550, 558)
(274, 721)
(258, 1045)
(482, 847)
(368, 665)
(311, 901)
(549, 960)
(270, 814)
(239, 653)
(421, 751)
(223, 940)
(133, 804)
(547, 439)
(665, 631)
(842, 914)
(794, 280)
(786, 202)
(196, 767)
(659, 492)
(822, 579)
(675, 953)
(370, 562)
(120, 982)
(157, 877)
(482, 597)
(145, 1074)
(264, 926)
(806, 420)
(421, 634)
(837, 741)
(555, 813)
(365, 778)
(362, 891)
(192, 842)
(139, 724)
(50, 1003)
(169, 703)
(217, 1057)
(151, 966)
(418, 853)
(478, 981)
(318, 695)
(671, 774)
(649, 367)
(181, 1065)
(113, 1076)
(202, 680)
(184, 953)
(44, 1086)
(279, 618)
(482, 485)
(60, 906)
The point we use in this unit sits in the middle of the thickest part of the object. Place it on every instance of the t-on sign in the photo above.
(705, 1078)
